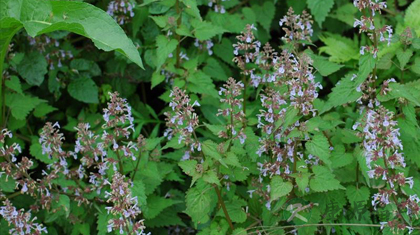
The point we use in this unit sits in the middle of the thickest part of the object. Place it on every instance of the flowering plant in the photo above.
(247, 117)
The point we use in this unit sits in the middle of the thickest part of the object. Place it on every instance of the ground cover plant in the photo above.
(209, 117)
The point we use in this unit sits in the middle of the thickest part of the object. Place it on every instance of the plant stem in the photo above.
(178, 37)
(222, 204)
(137, 167)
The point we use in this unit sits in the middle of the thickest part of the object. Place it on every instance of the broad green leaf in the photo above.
(366, 65)
(201, 83)
(210, 150)
(344, 92)
(205, 30)
(416, 66)
(412, 16)
(323, 180)
(14, 84)
(189, 168)
(43, 109)
(60, 207)
(239, 231)
(358, 196)
(191, 8)
(33, 68)
(320, 9)
(302, 180)
(319, 147)
(265, 13)
(404, 56)
(235, 210)
(340, 49)
(157, 78)
(138, 190)
(215, 70)
(409, 91)
(21, 105)
(155, 205)
(211, 177)
(322, 64)
(7, 184)
(36, 151)
(345, 13)
(164, 48)
(168, 217)
(84, 90)
(43, 16)
(199, 203)
(279, 188)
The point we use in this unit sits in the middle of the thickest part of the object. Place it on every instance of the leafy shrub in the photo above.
(251, 117)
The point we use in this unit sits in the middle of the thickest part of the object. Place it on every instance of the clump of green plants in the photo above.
(242, 117)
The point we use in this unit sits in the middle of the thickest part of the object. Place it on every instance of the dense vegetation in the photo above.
(209, 117)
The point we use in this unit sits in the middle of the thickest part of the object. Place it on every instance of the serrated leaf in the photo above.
(358, 195)
(164, 48)
(404, 56)
(210, 149)
(323, 180)
(211, 177)
(205, 30)
(33, 68)
(21, 105)
(343, 92)
(43, 109)
(366, 65)
(320, 9)
(189, 168)
(322, 64)
(199, 203)
(83, 89)
(14, 84)
(340, 49)
(412, 17)
(191, 8)
(319, 147)
(235, 211)
(265, 14)
(279, 188)
(155, 205)
(139, 190)
(302, 180)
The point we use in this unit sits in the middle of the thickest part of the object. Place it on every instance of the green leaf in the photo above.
(412, 17)
(199, 203)
(211, 177)
(7, 184)
(324, 180)
(155, 205)
(139, 190)
(14, 84)
(157, 79)
(215, 70)
(201, 83)
(43, 109)
(191, 8)
(341, 49)
(366, 65)
(302, 180)
(60, 208)
(210, 149)
(83, 89)
(279, 188)
(344, 92)
(265, 14)
(416, 66)
(36, 151)
(322, 64)
(345, 13)
(409, 91)
(33, 68)
(239, 231)
(404, 56)
(189, 168)
(235, 211)
(357, 195)
(319, 147)
(320, 9)
(165, 47)
(21, 105)
(205, 30)
(43, 16)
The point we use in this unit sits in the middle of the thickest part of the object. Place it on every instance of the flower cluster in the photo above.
(218, 8)
(121, 11)
(297, 27)
(367, 25)
(125, 207)
(21, 221)
(204, 45)
(182, 120)
(50, 46)
(231, 90)
(250, 48)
